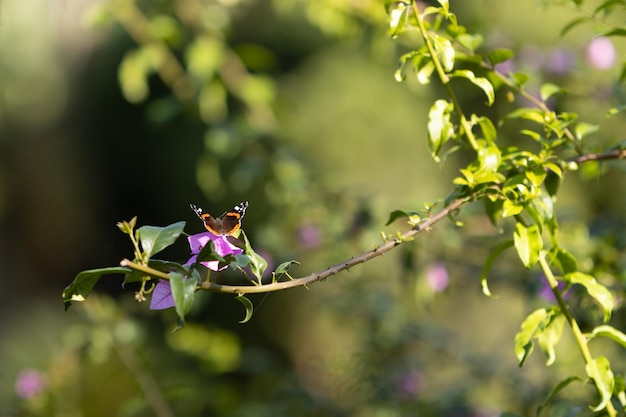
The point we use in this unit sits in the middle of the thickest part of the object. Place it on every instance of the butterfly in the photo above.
(225, 225)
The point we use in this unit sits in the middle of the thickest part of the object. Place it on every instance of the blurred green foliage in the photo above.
(293, 106)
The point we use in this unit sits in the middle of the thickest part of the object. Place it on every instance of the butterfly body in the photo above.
(225, 225)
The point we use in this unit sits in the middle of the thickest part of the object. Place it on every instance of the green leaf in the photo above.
(84, 282)
(183, 292)
(531, 328)
(493, 210)
(550, 337)
(596, 290)
(556, 390)
(548, 90)
(257, 263)
(440, 127)
(572, 24)
(398, 214)
(599, 369)
(583, 129)
(248, 306)
(208, 254)
(500, 55)
(487, 127)
(481, 82)
(528, 243)
(398, 16)
(495, 252)
(283, 269)
(444, 50)
(154, 239)
(511, 208)
(564, 260)
(611, 333)
(471, 42)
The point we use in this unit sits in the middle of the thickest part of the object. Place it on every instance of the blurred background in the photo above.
(127, 108)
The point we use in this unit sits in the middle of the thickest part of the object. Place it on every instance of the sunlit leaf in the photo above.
(440, 127)
(481, 82)
(528, 243)
(397, 18)
(531, 328)
(154, 239)
(596, 290)
(550, 337)
(611, 333)
(599, 369)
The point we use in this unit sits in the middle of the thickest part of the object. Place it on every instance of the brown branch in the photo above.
(612, 154)
(343, 266)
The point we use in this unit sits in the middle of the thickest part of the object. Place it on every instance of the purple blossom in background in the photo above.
(600, 53)
(29, 383)
(437, 277)
(546, 292)
(309, 235)
(560, 61)
(162, 294)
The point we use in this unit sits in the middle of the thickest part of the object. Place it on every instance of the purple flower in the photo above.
(29, 383)
(162, 294)
(437, 277)
(546, 292)
(560, 61)
(410, 384)
(600, 53)
(309, 235)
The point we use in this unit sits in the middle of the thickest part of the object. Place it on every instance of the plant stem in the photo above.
(581, 340)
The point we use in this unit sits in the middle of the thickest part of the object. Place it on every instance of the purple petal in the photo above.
(162, 296)
(221, 244)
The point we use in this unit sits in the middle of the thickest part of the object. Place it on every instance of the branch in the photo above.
(343, 266)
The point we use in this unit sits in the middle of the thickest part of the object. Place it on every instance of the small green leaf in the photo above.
(511, 208)
(500, 55)
(154, 239)
(283, 269)
(257, 263)
(84, 282)
(481, 82)
(556, 390)
(550, 337)
(440, 127)
(566, 262)
(248, 306)
(583, 129)
(183, 292)
(598, 291)
(599, 369)
(548, 90)
(531, 328)
(528, 243)
(444, 50)
(397, 18)
(398, 214)
(572, 24)
(471, 42)
(495, 252)
(611, 333)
